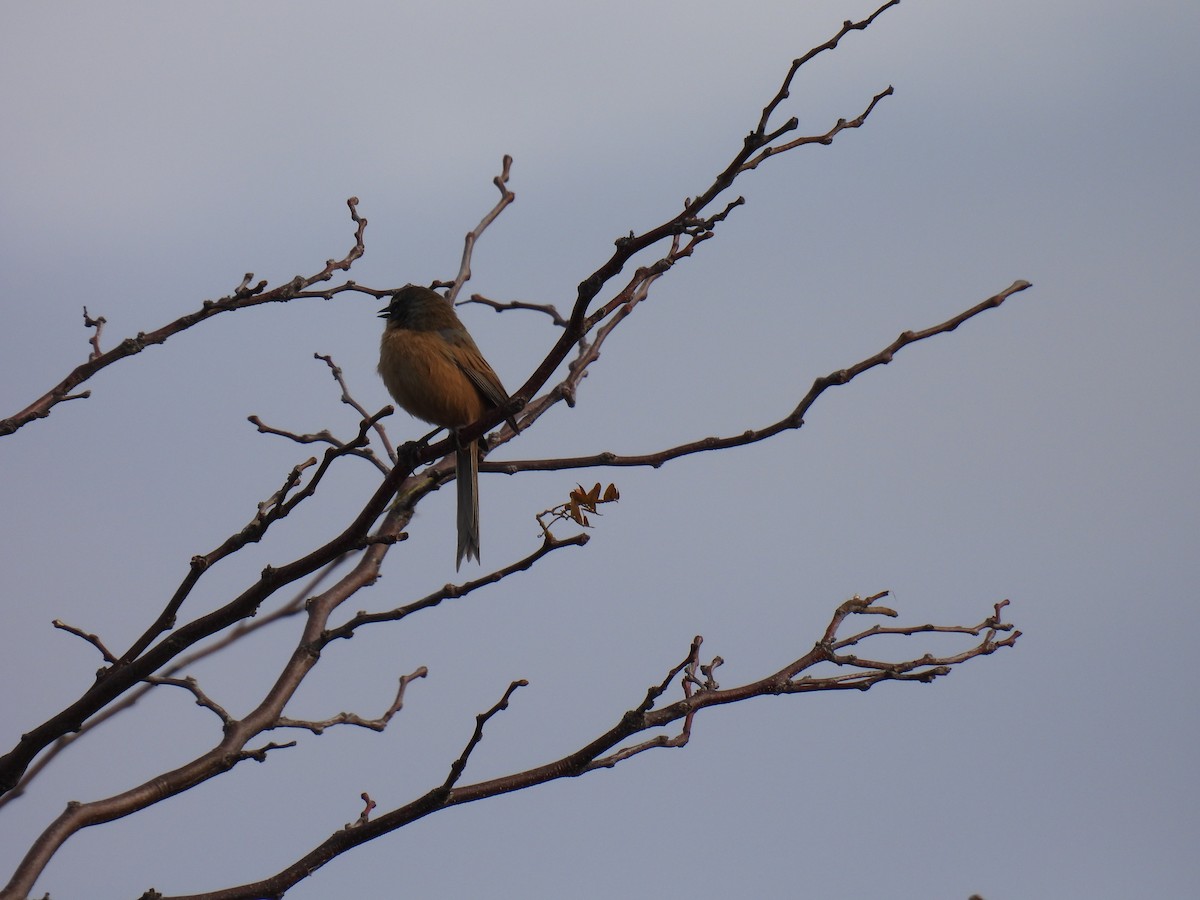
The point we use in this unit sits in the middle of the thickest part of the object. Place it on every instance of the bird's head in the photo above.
(419, 309)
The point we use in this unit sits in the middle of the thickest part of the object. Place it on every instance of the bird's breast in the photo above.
(420, 371)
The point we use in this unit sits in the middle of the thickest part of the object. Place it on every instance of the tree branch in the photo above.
(116, 680)
(584, 332)
(345, 718)
(605, 750)
(243, 296)
(450, 591)
(292, 608)
(460, 764)
(506, 197)
(793, 420)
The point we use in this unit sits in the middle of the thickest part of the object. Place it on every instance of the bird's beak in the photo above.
(385, 312)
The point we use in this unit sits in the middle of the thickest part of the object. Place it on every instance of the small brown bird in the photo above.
(434, 370)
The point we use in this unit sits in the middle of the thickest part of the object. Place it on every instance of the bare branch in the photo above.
(578, 323)
(97, 323)
(793, 420)
(260, 754)
(232, 747)
(451, 591)
(276, 507)
(345, 718)
(548, 308)
(324, 436)
(193, 687)
(348, 398)
(605, 751)
(822, 139)
(268, 510)
(242, 297)
(506, 197)
(991, 622)
(92, 639)
(592, 319)
(460, 764)
(120, 678)
(292, 608)
(658, 690)
(365, 816)
(785, 88)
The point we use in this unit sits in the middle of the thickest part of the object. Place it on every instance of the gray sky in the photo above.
(1045, 452)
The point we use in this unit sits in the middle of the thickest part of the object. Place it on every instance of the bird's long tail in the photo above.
(467, 474)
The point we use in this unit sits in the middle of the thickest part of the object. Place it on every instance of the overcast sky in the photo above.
(1046, 452)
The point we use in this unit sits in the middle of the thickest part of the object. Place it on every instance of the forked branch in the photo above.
(245, 295)
(793, 420)
(610, 749)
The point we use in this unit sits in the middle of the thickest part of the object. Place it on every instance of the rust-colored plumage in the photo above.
(433, 369)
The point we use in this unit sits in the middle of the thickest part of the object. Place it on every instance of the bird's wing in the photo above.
(472, 364)
(487, 382)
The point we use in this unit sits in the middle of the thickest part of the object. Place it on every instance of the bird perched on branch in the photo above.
(434, 370)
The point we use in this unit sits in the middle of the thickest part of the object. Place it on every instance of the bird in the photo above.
(434, 370)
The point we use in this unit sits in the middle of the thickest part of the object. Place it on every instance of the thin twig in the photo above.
(345, 718)
(242, 297)
(785, 88)
(451, 591)
(548, 309)
(193, 687)
(348, 399)
(292, 608)
(460, 764)
(506, 197)
(793, 420)
(606, 750)
(92, 639)
(97, 323)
